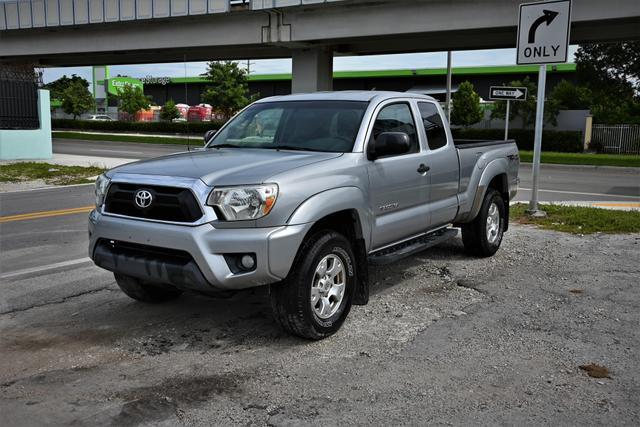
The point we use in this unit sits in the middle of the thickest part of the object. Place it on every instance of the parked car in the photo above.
(199, 113)
(300, 193)
(100, 118)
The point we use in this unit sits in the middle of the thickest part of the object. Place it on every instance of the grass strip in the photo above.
(49, 173)
(579, 219)
(148, 139)
(624, 160)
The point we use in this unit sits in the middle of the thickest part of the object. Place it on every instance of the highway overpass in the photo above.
(87, 32)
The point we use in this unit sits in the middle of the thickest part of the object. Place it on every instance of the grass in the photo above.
(626, 160)
(49, 173)
(580, 220)
(128, 138)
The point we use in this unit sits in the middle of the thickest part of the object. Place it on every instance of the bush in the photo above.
(195, 128)
(552, 140)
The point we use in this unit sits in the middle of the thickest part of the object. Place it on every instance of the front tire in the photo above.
(482, 237)
(315, 298)
(146, 292)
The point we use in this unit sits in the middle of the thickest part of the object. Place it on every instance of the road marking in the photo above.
(45, 267)
(617, 205)
(53, 187)
(45, 214)
(582, 194)
(114, 151)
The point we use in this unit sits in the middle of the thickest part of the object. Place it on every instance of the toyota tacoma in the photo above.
(301, 193)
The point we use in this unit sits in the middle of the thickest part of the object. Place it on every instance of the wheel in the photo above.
(315, 298)
(483, 236)
(146, 292)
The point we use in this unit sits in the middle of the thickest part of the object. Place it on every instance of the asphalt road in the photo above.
(445, 340)
(557, 183)
(127, 150)
(456, 340)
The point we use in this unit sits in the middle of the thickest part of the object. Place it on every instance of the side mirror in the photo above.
(388, 144)
(208, 135)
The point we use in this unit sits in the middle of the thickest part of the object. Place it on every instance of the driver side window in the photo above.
(397, 118)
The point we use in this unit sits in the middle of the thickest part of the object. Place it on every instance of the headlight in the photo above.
(244, 203)
(102, 183)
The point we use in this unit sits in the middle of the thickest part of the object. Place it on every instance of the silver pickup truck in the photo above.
(301, 193)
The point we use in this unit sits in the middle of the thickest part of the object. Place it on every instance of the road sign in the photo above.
(543, 32)
(506, 93)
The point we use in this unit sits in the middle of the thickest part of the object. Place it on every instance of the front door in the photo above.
(398, 190)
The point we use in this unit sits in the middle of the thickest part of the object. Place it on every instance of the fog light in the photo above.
(247, 262)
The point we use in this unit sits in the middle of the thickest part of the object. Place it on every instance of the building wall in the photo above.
(176, 91)
(29, 144)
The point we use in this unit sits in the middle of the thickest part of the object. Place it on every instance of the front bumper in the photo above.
(274, 249)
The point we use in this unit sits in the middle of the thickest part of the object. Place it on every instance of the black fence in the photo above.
(18, 104)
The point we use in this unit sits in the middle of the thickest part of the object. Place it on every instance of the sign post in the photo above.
(509, 94)
(543, 38)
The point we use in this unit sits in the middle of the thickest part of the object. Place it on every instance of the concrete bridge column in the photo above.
(312, 70)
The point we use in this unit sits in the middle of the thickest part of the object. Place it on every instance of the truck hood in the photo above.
(225, 166)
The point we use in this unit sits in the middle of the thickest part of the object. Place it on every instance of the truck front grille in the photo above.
(167, 203)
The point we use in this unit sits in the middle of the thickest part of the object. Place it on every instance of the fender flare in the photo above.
(494, 168)
(331, 201)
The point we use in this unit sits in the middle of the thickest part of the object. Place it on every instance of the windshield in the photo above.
(330, 126)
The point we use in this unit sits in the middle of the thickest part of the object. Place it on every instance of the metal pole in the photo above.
(537, 146)
(506, 121)
(449, 86)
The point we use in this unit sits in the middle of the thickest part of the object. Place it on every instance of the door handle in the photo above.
(423, 168)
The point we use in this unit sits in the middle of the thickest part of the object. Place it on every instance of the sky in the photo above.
(353, 63)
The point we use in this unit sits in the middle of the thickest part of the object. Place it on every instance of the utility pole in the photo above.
(449, 86)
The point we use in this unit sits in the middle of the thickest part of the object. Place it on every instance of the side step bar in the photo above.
(410, 247)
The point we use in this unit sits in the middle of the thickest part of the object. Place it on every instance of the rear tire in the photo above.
(146, 292)
(315, 298)
(482, 236)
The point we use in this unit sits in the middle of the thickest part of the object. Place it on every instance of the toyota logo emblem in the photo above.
(143, 199)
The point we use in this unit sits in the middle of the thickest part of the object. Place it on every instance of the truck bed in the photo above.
(475, 143)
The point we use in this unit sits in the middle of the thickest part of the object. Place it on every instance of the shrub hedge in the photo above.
(561, 141)
(552, 140)
(196, 128)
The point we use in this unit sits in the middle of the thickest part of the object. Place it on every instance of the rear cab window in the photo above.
(433, 126)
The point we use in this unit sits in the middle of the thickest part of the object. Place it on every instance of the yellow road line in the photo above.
(618, 205)
(45, 214)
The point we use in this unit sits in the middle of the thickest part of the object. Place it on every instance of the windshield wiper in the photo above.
(290, 147)
(225, 146)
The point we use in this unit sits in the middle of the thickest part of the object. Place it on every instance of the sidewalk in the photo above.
(76, 160)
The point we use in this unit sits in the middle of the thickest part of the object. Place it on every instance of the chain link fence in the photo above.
(616, 139)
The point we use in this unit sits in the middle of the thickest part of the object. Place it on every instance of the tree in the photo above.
(132, 99)
(466, 106)
(229, 88)
(611, 71)
(76, 99)
(610, 67)
(169, 111)
(57, 87)
(526, 109)
(568, 96)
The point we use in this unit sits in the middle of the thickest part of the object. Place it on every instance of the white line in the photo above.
(55, 187)
(582, 194)
(45, 267)
(115, 151)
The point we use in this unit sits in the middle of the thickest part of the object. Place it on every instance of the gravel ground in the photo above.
(446, 339)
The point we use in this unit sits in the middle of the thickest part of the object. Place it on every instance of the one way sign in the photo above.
(508, 93)
(543, 32)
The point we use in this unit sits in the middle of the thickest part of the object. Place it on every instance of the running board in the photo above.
(402, 250)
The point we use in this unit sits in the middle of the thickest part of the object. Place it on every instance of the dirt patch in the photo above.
(596, 371)
(158, 402)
